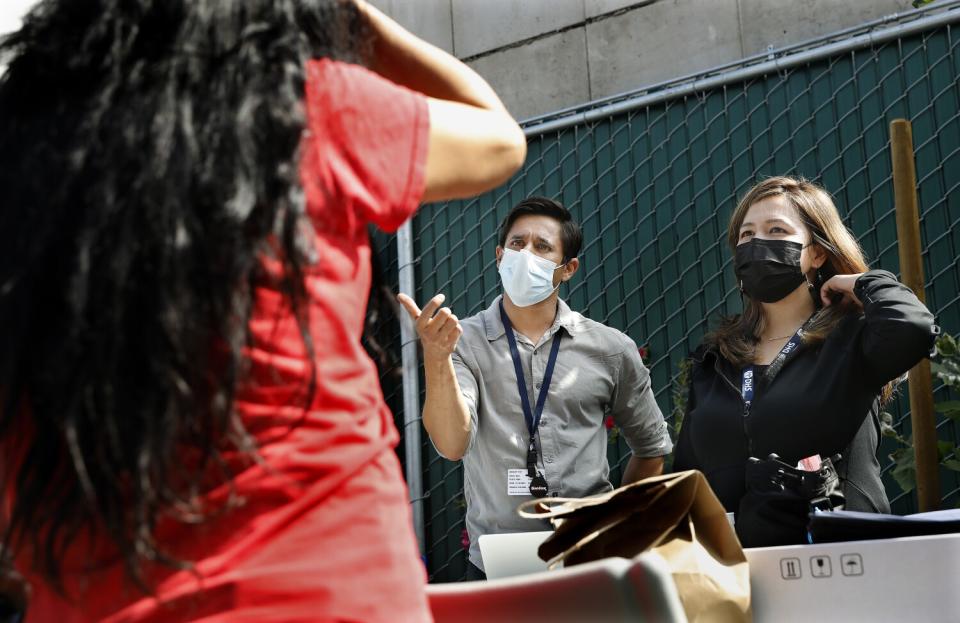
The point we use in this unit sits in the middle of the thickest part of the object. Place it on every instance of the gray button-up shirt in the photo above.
(598, 371)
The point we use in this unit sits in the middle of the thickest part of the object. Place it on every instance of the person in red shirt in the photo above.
(190, 427)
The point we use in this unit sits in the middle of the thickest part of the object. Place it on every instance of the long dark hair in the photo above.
(148, 160)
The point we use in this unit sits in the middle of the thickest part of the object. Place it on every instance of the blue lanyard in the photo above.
(532, 417)
(748, 380)
(746, 389)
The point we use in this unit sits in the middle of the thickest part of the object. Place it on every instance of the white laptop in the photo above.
(507, 555)
(903, 579)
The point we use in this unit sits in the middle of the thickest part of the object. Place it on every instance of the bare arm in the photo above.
(445, 414)
(404, 58)
(639, 468)
(474, 143)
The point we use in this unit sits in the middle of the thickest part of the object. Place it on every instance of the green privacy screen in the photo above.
(653, 189)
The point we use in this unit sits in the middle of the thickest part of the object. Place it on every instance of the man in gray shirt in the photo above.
(573, 372)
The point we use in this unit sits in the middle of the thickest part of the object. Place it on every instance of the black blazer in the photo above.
(823, 401)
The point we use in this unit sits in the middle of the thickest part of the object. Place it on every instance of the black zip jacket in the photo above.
(823, 401)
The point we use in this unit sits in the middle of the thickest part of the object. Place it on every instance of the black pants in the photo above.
(474, 573)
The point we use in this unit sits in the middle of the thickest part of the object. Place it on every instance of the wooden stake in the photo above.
(911, 270)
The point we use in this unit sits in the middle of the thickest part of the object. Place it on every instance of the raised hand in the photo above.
(842, 285)
(439, 331)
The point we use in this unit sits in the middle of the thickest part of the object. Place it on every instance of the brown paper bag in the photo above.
(675, 515)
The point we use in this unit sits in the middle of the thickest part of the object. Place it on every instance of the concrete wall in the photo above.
(544, 55)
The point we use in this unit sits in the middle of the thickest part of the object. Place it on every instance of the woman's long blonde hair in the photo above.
(736, 337)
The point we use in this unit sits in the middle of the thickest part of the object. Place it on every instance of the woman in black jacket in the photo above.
(802, 372)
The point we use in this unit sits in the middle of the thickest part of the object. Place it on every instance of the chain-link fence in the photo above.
(654, 185)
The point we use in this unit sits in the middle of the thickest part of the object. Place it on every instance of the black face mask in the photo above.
(768, 270)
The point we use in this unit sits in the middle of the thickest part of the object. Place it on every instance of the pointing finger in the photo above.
(409, 304)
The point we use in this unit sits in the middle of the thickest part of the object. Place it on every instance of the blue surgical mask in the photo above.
(527, 278)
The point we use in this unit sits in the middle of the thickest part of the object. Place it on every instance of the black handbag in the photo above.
(776, 507)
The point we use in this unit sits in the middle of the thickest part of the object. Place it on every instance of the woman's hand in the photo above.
(841, 285)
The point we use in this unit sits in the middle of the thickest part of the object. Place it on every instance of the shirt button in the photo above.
(538, 384)
(549, 459)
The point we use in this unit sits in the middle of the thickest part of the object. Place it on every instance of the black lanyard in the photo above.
(748, 379)
(532, 417)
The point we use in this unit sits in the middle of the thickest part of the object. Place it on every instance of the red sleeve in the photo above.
(369, 141)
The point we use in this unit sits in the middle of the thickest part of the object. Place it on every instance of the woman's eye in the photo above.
(777, 230)
(745, 234)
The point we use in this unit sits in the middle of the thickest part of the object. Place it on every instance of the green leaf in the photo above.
(887, 429)
(612, 435)
(905, 472)
(945, 449)
(947, 346)
(949, 408)
(952, 464)
(946, 366)
(948, 373)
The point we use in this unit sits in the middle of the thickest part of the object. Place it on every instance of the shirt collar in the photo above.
(566, 318)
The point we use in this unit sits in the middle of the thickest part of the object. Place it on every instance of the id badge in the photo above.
(518, 482)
